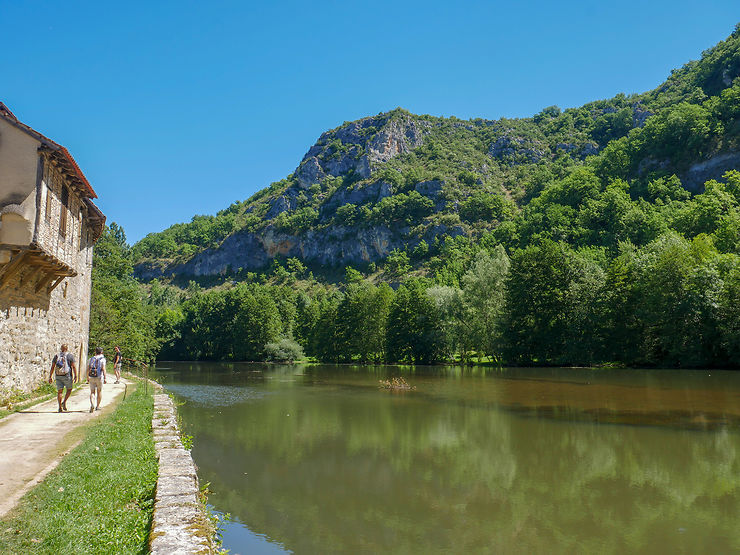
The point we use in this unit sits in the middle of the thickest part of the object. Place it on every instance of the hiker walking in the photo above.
(64, 368)
(117, 359)
(96, 378)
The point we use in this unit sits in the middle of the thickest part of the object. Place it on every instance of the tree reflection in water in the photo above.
(322, 460)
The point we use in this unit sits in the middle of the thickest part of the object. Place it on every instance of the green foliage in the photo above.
(119, 314)
(397, 263)
(402, 208)
(351, 275)
(414, 332)
(486, 207)
(283, 350)
(347, 215)
(297, 221)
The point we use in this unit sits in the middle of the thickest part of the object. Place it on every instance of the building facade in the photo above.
(48, 226)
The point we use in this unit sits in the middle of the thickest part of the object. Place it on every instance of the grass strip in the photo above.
(101, 496)
(14, 400)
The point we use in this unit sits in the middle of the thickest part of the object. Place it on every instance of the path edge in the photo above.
(180, 523)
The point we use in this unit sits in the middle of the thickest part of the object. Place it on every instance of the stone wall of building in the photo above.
(34, 325)
(64, 246)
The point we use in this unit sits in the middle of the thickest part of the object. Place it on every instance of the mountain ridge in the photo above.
(393, 181)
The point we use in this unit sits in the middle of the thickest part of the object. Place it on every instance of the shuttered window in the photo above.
(65, 209)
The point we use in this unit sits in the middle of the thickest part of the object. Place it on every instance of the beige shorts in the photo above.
(96, 384)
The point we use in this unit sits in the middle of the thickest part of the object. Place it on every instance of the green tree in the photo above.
(119, 314)
(414, 334)
(484, 296)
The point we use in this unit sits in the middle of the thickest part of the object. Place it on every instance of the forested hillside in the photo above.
(608, 233)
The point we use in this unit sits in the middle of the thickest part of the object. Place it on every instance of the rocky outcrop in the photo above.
(640, 115)
(397, 137)
(513, 150)
(714, 168)
(332, 246)
(357, 146)
(433, 190)
(578, 151)
(309, 172)
(283, 203)
(374, 192)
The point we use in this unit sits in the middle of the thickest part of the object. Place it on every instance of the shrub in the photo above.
(283, 350)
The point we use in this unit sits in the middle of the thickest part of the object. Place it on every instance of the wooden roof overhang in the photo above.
(48, 271)
(64, 165)
(96, 219)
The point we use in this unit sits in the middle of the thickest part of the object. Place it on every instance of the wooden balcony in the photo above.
(46, 271)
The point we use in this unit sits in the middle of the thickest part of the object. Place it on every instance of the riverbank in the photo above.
(112, 490)
(180, 522)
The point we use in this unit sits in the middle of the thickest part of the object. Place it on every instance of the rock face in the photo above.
(373, 192)
(639, 115)
(281, 204)
(332, 246)
(433, 190)
(357, 146)
(713, 168)
(309, 172)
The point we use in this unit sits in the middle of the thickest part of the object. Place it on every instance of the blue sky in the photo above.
(180, 108)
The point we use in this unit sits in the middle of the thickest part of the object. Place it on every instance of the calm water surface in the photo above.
(319, 459)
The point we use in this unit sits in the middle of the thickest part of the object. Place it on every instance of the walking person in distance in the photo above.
(64, 368)
(117, 359)
(96, 378)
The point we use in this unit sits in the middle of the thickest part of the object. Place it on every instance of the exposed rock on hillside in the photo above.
(359, 145)
(714, 168)
(358, 195)
(335, 246)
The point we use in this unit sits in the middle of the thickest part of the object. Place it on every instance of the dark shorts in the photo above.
(64, 380)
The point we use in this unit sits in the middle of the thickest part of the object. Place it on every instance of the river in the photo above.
(320, 459)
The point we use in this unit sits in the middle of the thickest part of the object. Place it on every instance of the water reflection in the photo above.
(215, 395)
(320, 459)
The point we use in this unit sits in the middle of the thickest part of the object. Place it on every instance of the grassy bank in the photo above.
(14, 400)
(100, 497)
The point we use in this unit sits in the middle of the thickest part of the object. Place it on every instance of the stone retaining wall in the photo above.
(180, 524)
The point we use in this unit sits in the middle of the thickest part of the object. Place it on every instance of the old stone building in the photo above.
(48, 225)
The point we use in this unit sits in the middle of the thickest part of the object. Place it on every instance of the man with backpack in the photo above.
(63, 367)
(96, 378)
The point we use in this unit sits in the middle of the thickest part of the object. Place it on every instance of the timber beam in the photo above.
(39, 262)
(57, 282)
(45, 280)
(12, 267)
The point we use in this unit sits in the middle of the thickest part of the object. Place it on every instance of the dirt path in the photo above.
(34, 440)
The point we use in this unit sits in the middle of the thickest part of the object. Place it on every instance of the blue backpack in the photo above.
(94, 367)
